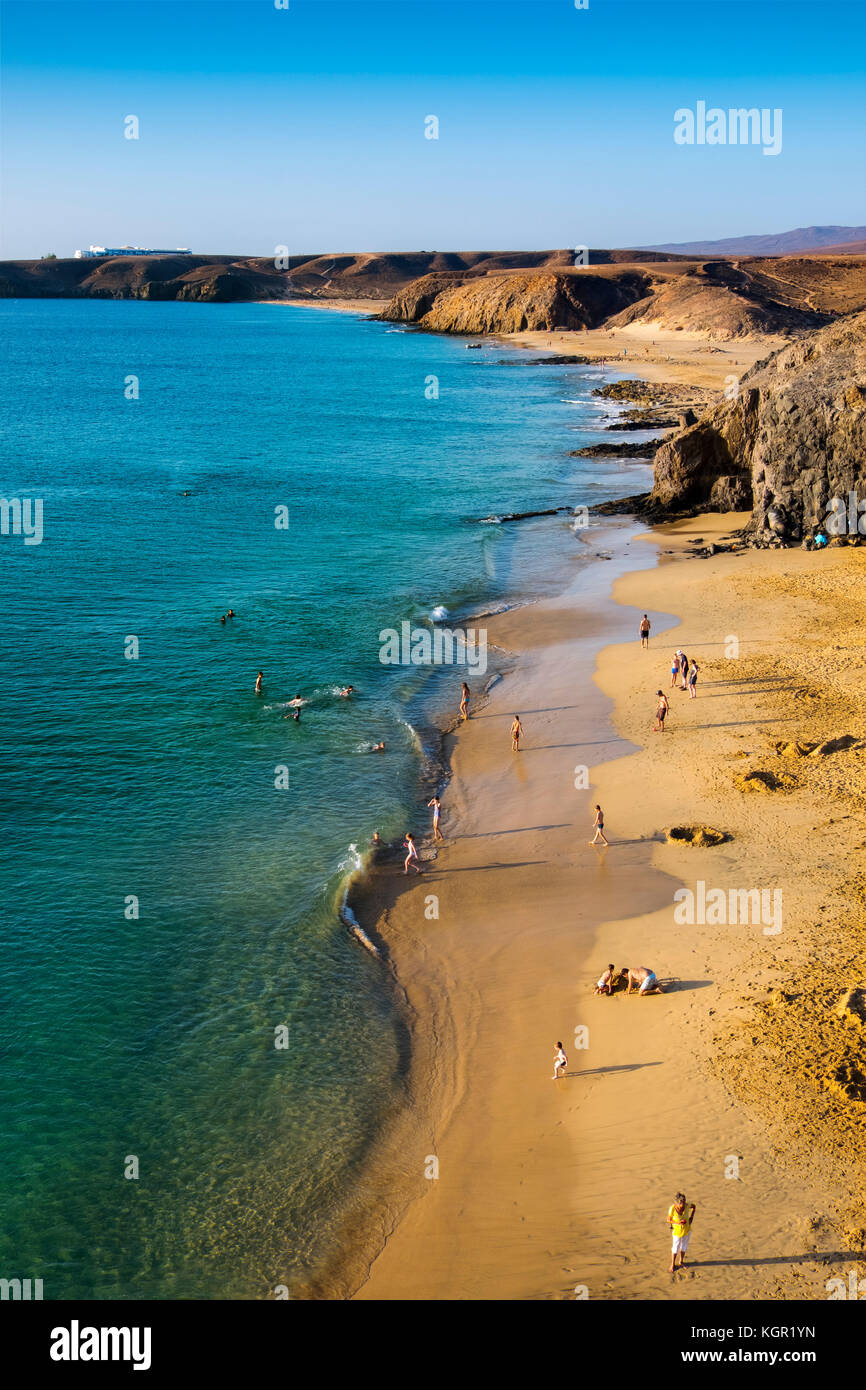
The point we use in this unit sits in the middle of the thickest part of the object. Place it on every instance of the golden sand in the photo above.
(736, 1085)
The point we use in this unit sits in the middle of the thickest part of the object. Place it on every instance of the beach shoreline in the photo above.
(492, 1224)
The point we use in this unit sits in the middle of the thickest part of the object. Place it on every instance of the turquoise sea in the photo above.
(151, 1037)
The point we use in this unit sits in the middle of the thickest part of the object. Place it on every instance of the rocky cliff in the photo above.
(515, 303)
(721, 299)
(792, 439)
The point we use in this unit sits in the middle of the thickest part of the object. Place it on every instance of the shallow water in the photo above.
(152, 1037)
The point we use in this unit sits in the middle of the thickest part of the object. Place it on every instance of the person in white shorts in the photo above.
(680, 1218)
(560, 1062)
(645, 978)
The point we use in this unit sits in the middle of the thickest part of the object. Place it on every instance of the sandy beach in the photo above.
(658, 354)
(732, 1085)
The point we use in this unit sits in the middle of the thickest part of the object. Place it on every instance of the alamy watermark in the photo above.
(713, 907)
(846, 517)
(419, 646)
(736, 126)
(22, 516)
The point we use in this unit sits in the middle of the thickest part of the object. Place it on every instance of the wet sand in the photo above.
(543, 1188)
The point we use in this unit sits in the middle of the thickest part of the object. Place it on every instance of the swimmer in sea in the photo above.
(378, 748)
(376, 840)
(347, 691)
(259, 683)
(293, 714)
(296, 700)
(223, 618)
(230, 613)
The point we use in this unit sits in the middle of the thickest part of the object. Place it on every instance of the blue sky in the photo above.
(305, 127)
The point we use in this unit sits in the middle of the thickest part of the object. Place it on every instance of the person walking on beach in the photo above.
(661, 710)
(675, 669)
(464, 701)
(644, 630)
(599, 827)
(680, 1218)
(693, 680)
(412, 856)
(643, 976)
(605, 984)
(516, 731)
(560, 1063)
(259, 683)
(437, 811)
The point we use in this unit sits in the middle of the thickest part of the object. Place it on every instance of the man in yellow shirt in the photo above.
(680, 1218)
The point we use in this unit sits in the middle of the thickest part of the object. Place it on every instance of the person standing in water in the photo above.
(437, 811)
(644, 631)
(516, 731)
(599, 827)
(412, 856)
(259, 683)
(560, 1062)
(464, 701)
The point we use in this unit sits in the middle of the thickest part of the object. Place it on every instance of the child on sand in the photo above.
(680, 1218)
(605, 984)
(560, 1063)
(516, 731)
(599, 827)
(412, 856)
(661, 710)
(437, 811)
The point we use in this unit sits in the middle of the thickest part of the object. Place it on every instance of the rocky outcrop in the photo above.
(493, 303)
(793, 438)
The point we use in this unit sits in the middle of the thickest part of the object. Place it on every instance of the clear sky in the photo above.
(304, 127)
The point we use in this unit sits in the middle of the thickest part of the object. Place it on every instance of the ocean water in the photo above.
(146, 1043)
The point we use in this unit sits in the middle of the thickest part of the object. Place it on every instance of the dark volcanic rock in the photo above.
(622, 451)
(793, 439)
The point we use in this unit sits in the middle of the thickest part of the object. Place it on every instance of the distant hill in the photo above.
(772, 244)
(376, 276)
(490, 291)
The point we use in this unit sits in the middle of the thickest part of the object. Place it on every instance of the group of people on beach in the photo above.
(626, 978)
(683, 673)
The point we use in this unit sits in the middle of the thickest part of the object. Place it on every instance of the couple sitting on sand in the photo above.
(641, 975)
